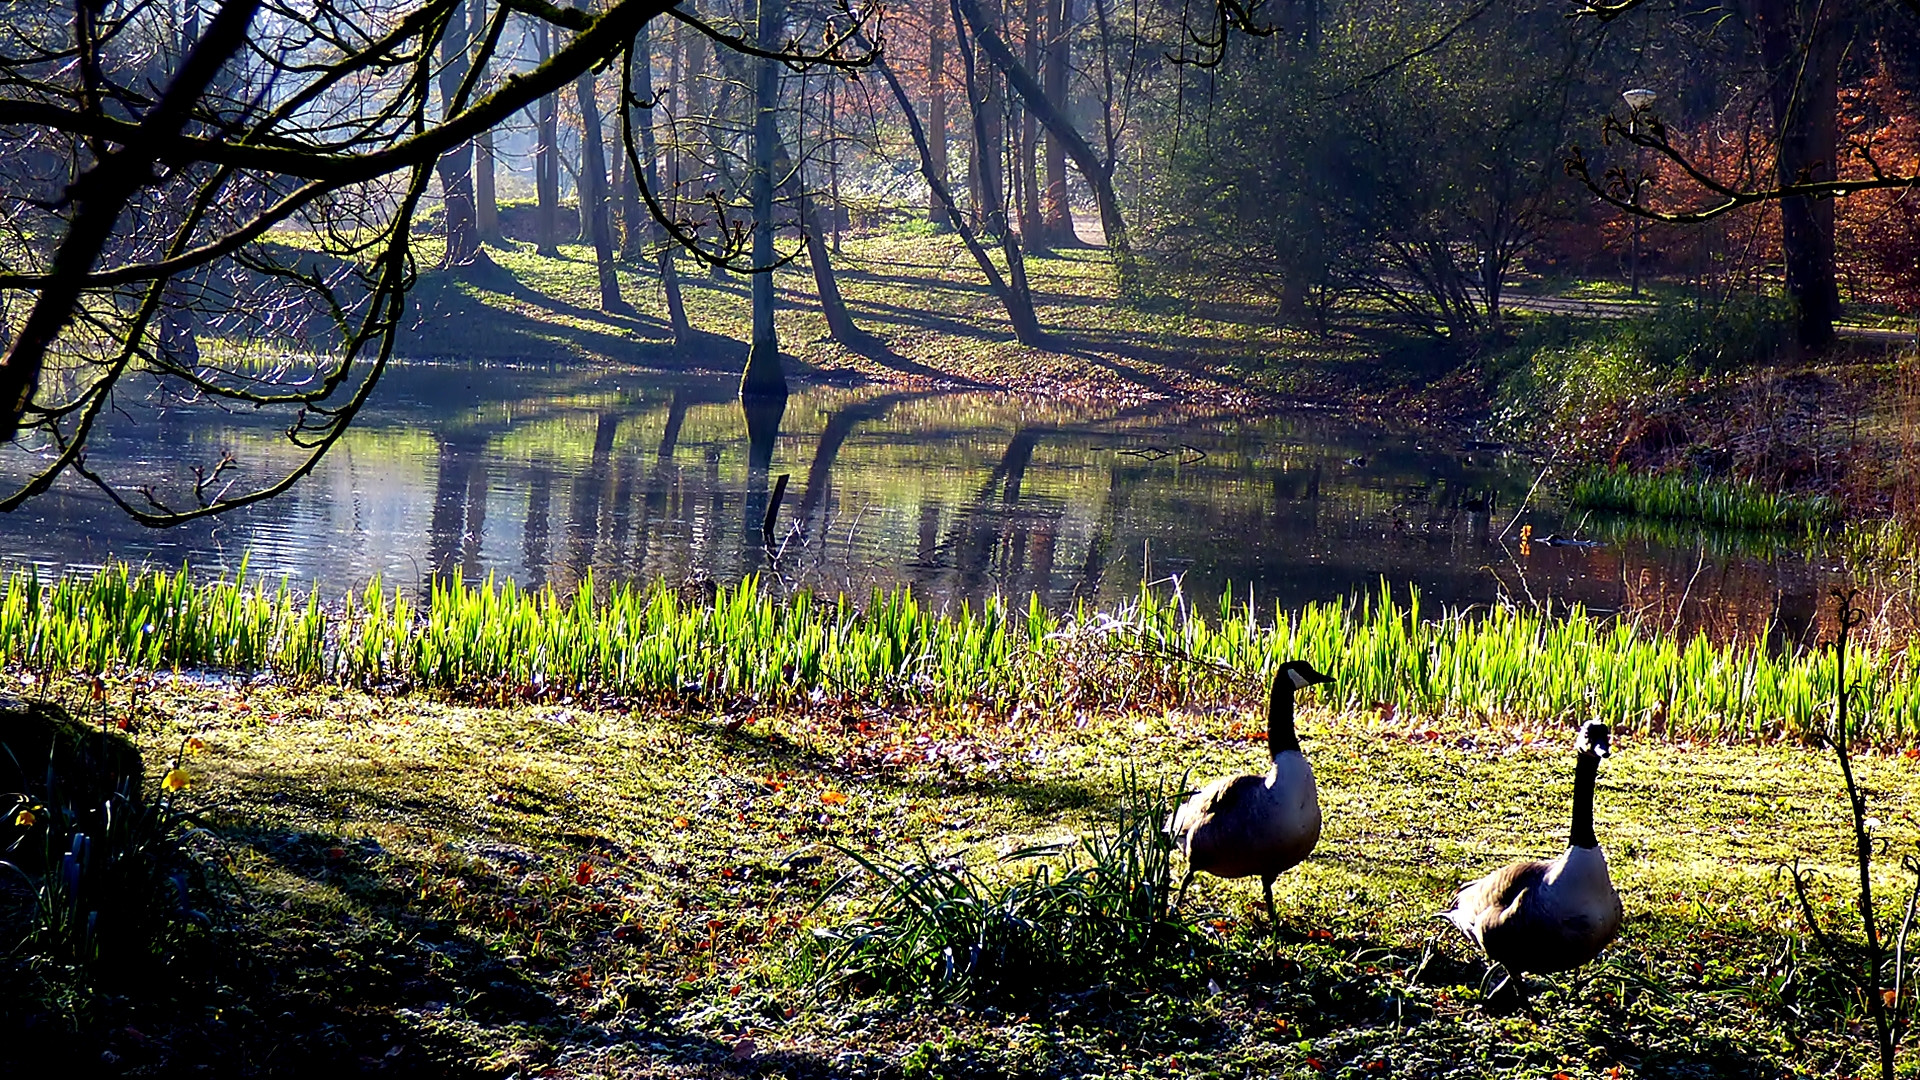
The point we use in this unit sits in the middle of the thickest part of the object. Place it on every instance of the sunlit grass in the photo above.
(747, 645)
(1722, 503)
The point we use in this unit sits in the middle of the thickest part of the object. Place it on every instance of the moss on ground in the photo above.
(570, 889)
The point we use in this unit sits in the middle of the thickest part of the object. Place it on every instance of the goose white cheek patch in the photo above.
(1299, 680)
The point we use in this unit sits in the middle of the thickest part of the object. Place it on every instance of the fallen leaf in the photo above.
(833, 798)
(681, 823)
(584, 875)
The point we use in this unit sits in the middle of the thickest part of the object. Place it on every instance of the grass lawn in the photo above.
(429, 887)
(1192, 337)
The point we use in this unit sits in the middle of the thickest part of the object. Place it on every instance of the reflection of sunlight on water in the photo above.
(547, 476)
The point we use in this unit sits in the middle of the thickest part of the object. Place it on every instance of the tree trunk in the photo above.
(1098, 174)
(593, 195)
(546, 158)
(1056, 214)
(636, 224)
(996, 207)
(1032, 232)
(936, 153)
(1026, 328)
(764, 376)
(486, 201)
(649, 152)
(456, 165)
(1801, 53)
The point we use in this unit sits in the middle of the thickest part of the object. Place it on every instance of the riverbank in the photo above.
(424, 887)
(1659, 389)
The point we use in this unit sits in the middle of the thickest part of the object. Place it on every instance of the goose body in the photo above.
(1548, 915)
(1254, 824)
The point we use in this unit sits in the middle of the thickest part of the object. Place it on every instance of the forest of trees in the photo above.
(271, 169)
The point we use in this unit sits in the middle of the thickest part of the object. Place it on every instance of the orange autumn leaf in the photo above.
(681, 823)
(833, 798)
(176, 780)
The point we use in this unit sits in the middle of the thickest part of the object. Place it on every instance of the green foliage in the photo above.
(1721, 503)
(651, 641)
(1097, 911)
(1573, 375)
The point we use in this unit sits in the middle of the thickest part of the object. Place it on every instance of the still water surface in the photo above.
(547, 475)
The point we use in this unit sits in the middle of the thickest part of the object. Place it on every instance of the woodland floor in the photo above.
(423, 887)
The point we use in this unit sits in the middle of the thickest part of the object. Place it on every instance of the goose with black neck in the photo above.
(1257, 824)
(1542, 915)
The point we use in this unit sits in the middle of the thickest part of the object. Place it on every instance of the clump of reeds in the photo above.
(650, 642)
(1057, 919)
(1722, 503)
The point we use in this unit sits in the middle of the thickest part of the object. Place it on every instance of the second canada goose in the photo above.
(1548, 915)
(1239, 826)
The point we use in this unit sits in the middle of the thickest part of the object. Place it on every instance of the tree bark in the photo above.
(1032, 232)
(593, 195)
(1801, 53)
(648, 231)
(456, 165)
(546, 158)
(1026, 328)
(764, 376)
(996, 207)
(1098, 174)
(486, 199)
(1056, 213)
(935, 154)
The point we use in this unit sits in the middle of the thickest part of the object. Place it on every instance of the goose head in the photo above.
(1595, 740)
(1293, 676)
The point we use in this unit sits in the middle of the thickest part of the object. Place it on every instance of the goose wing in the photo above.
(1490, 909)
(1202, 822)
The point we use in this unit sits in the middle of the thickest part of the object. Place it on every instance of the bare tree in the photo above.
(330, 117)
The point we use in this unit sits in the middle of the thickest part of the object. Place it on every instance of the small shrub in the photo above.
(1095, 912)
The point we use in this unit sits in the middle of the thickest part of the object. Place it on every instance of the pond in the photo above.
(548, 474)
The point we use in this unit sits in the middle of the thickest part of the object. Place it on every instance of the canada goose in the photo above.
(1238, 826)
(1548, 915)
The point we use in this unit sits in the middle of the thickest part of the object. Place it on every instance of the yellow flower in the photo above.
(195, 745)
(24, 819)
(176, 780)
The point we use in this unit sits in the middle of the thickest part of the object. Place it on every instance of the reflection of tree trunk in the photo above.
(763, 376)
(593, 195)
(448, 533)
(546, 157)
(1100, 547)
(934, 154)
(655, 502)
(832, 437)
(534, 536)
(588, 493)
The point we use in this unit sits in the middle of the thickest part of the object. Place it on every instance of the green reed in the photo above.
(1716, 502)
(746, 645)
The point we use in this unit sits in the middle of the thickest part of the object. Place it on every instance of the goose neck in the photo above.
(1585, 772)
(1281, 736)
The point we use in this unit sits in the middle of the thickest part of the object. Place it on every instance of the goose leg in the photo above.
(1266, 883)
(1185, 880)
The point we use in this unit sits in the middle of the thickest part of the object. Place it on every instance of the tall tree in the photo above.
(936, 131)
(593, 194)
(1801, 42)
(1056, 214)
(546, 157)
(456, 167)
(764, 375)
(1032, 232)
(641, 96)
